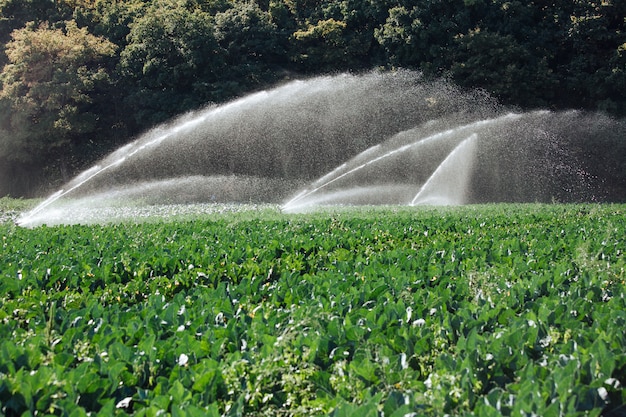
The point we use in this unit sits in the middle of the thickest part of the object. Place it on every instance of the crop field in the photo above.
(479, 310)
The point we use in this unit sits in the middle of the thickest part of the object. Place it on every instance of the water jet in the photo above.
(375, 138)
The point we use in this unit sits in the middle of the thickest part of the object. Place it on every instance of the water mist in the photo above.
(376, 138)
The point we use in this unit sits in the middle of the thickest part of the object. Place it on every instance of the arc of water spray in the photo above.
(336, 171)
(97, 170)
(445, 165)
(306, 193)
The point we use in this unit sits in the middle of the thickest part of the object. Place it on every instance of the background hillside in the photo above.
(81, 77)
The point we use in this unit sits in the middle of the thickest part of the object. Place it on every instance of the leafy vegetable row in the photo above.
(492, 310)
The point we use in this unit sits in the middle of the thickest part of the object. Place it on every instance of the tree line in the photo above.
(81, 77)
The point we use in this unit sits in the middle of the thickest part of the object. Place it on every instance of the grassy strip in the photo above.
(491, 310)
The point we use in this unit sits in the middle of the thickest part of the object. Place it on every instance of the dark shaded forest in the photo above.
(81, 77)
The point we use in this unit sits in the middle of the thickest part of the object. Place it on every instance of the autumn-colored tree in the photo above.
(54, 80)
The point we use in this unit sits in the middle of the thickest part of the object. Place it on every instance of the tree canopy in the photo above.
(52, 90)
(86, 75)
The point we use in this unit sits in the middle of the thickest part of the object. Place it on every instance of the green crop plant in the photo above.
(479, 310)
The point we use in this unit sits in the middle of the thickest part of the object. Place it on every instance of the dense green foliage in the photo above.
(487, 311)
(80, 77)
